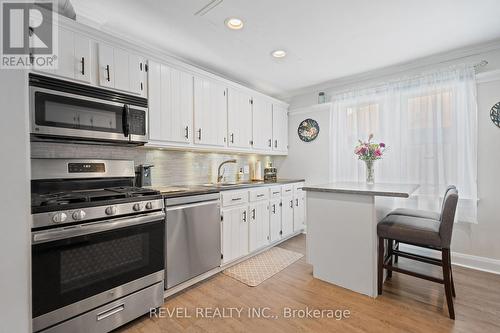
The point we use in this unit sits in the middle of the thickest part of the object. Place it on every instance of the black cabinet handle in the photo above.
(125, 120)
(274, 208)
(270, 143)
(275, 143)
(187, 132)
(260, 195)
(291, 203)
(83, 65)
(199, 134)
(107, 71)
(297, 202)
(253, 213)
(236, 199)
(245, 216)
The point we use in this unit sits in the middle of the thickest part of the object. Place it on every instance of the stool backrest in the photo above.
(448, 211)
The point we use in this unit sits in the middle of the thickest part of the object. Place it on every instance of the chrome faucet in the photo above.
(219, 174)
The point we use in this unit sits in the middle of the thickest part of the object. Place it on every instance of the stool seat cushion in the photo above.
(410, 229)
(416, 213)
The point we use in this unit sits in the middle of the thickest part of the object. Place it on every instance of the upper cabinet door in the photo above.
(262, 128)
(280, 128)
(121, 69)
(106, 66)
(66, 56)
(177, 104)
(82, 62)
(210, 112)
(239, 119)
(137, 75)
(156, 116)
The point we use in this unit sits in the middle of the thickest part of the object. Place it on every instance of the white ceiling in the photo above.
(325, 39)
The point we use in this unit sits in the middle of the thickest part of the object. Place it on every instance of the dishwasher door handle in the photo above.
(198, 204)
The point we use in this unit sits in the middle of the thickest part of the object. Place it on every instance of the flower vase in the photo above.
(370, 172)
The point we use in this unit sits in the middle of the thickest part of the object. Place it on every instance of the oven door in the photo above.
(77, 269)
(57, 113)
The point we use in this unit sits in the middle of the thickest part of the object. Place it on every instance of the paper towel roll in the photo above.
(257, 170)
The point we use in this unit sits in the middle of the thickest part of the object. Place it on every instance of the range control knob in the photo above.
(137, 207)
(79, 215)
(111, 210)
(59, 217)
(149, 205)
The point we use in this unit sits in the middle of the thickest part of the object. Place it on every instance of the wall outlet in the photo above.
(246, 169)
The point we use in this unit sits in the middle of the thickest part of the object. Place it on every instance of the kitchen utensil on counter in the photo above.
(143, 175)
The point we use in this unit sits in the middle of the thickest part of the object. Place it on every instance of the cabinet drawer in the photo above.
(297, 188)
(275, 192)
(233, 198)
(259, 194)
(287, 189)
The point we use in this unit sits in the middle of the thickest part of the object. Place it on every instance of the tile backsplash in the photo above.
(170, 167)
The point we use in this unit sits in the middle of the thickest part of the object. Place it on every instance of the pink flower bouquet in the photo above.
(369, 151)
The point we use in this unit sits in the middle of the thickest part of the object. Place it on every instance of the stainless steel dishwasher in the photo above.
(193, 237)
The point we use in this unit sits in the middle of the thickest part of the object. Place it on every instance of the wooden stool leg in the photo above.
(390, 244)
(451, 276)
(380, 264)
(447, 281)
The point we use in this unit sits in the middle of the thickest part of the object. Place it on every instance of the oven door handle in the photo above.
(92, 228)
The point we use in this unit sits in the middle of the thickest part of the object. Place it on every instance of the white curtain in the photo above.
(429, 124)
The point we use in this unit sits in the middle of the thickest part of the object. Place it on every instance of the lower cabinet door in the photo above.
(287, 216)
(274, 220)
(234, 233)
(299, 215)
(258, 225)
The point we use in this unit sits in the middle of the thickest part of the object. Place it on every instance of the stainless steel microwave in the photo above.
(67, 110)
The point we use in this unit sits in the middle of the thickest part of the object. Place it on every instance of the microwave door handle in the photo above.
(126, 120)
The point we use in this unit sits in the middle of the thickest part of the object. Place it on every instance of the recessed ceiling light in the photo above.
(234, 23)
(278, 53)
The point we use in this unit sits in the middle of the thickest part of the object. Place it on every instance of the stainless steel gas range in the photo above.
(97, 245)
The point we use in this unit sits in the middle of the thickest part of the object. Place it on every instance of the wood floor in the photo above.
(407, 305)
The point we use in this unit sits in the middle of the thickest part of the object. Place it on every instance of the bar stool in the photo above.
(419, 213)
(426, 230)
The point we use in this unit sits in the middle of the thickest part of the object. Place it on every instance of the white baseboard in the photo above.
(465, 260)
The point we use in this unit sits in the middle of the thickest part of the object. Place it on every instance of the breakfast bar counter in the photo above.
(342, 222)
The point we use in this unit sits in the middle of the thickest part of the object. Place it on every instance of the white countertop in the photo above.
(361, 188)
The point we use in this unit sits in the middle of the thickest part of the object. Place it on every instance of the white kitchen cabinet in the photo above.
(157, 119)
(275, 220)
(137, 74)
(258, 225)
(106, 66)
(210, 112)
(170, 104)
(82, 62)
(74, 57)
(262, 124)
(299, 215)
(287, 216)
(239, 119)
(280, 128)
(121, 70)
(234, 233)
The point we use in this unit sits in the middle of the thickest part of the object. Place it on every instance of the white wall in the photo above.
(308, 160)
(15, 249)
(481, 240)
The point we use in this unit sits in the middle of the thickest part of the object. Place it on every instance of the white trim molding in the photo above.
(488, 76)
(460, 259)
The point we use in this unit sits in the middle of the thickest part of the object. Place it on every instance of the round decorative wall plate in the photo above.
(308, 130)
(495, 114)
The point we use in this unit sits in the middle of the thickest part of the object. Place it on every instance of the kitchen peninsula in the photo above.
(342, 231)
